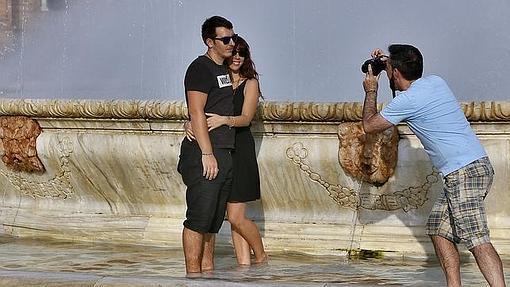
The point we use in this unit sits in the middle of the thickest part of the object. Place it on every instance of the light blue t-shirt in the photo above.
(431, 111)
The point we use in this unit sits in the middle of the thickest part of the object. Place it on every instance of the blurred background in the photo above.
(304, 50)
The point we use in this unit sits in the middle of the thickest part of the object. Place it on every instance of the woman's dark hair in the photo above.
(247, 70)
(210, 25)
(407, 59)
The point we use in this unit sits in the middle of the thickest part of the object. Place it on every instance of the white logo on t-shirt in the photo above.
(224, 81)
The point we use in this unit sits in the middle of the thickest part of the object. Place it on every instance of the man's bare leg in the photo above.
(448, 255)
(192, 243)
(490, 264)
(208, 256)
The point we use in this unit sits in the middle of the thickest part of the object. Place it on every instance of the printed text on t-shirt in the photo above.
(224, 81)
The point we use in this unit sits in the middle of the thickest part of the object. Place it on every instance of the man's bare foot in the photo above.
(242, 267)
(194, 275)
(207, 273)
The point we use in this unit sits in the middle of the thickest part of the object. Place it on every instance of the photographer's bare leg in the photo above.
(208, 256)
(490, 264)
(449, 258)
(192, 243)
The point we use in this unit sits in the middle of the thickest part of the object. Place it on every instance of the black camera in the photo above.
(377, 64)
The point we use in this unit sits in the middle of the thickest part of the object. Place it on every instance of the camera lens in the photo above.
(364, 67)
(377, 64)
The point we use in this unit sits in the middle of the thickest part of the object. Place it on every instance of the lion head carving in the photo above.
(368, 157)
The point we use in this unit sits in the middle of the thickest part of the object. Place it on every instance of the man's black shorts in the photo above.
(206, 200)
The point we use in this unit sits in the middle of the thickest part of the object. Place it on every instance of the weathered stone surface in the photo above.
(115, 180)
(18, 135)
(368, 157)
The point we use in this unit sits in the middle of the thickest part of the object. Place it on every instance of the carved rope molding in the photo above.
(412, 197)
(177, 110)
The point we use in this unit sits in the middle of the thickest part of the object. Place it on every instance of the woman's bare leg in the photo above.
(241, 248)
(247, 229)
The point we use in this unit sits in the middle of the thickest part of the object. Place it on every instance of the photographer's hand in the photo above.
(372, 120)
(371, 82)
(377, 53)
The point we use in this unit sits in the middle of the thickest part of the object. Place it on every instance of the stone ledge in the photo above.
(177, 110)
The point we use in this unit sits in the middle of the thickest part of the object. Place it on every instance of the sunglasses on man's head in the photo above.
(226, 39)
(242, 52)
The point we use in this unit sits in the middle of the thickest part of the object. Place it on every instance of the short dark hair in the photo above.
(210, 25)
(407, 59)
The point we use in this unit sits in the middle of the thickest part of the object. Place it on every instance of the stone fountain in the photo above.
(109, 175)
(105, 170)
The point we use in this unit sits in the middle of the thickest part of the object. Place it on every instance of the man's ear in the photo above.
(209, 42)
(396, 73)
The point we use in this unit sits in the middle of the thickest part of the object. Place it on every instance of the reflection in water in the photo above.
(151, 263)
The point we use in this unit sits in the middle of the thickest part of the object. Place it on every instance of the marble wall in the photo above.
(110, 175)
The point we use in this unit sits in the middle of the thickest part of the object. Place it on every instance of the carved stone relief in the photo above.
(412, 197)
(18, 136)
(368, 157)
(177, 110)
(38, 185)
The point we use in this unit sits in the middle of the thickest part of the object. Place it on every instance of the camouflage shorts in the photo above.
(459, 213)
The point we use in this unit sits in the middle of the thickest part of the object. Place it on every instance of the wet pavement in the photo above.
(50, 263)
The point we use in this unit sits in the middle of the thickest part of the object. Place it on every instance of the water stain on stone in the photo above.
(121, 261)
(365, 254)
(102, 264)
(88, 268)
(12, 266)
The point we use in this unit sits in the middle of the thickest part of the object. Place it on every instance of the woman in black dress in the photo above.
(246, 180)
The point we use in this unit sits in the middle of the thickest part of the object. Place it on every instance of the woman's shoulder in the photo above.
(252, 87)
(252, 81)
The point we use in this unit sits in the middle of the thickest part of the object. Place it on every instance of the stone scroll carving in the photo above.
(18, 136)
(177, 110)
(94, 109)
(368, 157)
(352, 111)
(412, 197)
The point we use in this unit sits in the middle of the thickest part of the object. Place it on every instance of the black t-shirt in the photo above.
(204, 75)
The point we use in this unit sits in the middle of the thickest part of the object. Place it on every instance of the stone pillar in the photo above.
(5, 25)
(14, 17)
(22, 12)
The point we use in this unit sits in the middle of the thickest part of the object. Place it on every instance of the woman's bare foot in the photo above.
(261, 261)
(243, 267)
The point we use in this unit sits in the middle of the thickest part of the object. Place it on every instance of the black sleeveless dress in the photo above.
(246, 179)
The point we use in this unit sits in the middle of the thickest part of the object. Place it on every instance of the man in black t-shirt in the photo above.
(205, 163)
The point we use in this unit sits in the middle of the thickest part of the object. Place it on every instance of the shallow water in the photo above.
(70, 260)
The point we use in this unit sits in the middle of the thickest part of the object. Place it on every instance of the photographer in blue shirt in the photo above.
(431, 111)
